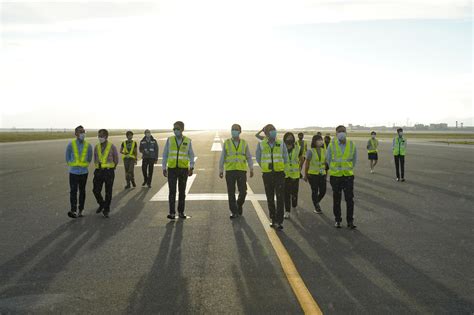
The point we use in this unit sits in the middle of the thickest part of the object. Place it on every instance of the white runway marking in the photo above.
(216, 146)
(162, 194)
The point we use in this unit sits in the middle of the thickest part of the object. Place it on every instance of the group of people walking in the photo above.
(283, 164)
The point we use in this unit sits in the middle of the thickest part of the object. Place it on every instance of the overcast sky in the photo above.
(294, 63)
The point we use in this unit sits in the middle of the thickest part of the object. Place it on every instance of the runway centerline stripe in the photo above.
(306, 300)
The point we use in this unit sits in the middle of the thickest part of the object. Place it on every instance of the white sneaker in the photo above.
(371, 171)
(287, 215)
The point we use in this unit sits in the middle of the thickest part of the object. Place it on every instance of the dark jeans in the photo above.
(240, 178)
(77, 182)
(291, 192)
(147, 169)
(101, 177)
(399, 163)
(340, 184)
(274, 183)
(177, 176)
(318, 188)
(129, 165)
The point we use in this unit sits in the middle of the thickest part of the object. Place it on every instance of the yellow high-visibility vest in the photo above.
(271, 155)
(400, 146)
(341, 164)
(292, 169)
(235, 158)
(317, 165)
(103, 156)
(373, 145)
(178, 154)
(82, 160)
(126, 154)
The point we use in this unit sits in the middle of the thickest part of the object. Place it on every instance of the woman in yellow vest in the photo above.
(178, 165)
(315, 171)
(292, 172)
(342, 157)
(272, 156)
(128, 149)
(235, 159)
(372, 150)
(399, 148)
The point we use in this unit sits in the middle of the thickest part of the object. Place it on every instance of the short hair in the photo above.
(300, 134)
(399, 129)
(327, 137)
(129, 133)
(340, 126)
(319, 133)
(373, 133)
(104, 131)
(180, 124)
(236, 126)
(267, 128)
(77, 128)
(147, 130)
(314, 139)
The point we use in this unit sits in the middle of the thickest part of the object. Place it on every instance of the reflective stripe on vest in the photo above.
(341, 164)
(400, 146)
(292, 169)
(79, 161)
(178, 155)
(373, 146)
(103, 156)
(271, 154)
(235, 158)
(126, 154)
(317, 165)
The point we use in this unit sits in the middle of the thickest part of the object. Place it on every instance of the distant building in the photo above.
(421, 127)
(441, 126)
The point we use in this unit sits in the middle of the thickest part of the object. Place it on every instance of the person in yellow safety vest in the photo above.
(106, 160)
(78, 157)
(178, 165)
(272, 156)
(372, 149)
(342, 157)
(129, 152)
(235, 160)
(315, 170)
(399, 149)
(292, 172)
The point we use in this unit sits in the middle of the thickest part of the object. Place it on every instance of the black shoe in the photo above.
(234, 216)
(105, 214)
(80, 215)
(182, 216)
(351, 226)
(338, 225)
(239, 210)
(397, 179)
(171, 216)
(133, 183)
(273, 224)
(99, 210)
(149, 185)
(72, 214)
(403, 179)
(279, 226)
(144, 183)
(128, 186)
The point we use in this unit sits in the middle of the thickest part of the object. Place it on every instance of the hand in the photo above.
(156, 161)
(190, 172)
(221, 175)
(251, 173)
(165, 173)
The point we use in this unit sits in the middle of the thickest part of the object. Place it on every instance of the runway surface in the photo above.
(412, 251)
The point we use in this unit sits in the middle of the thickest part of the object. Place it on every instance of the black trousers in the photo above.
(340, 184)
(274, 183)
(318, 188)
(177, 176)
(147, 169)
(77, 182)
(291, 192)
(101, 177)
(399, 165)
(240, 178)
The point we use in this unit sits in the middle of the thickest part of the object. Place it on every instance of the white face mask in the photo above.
(341, 136)
(373, 136)
(400, 133)
(319, 143)
(102, 140)
(82, 136)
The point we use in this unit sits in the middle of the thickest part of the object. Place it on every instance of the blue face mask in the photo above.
(341, 136)
(177, 133)
(235, 133)
(82, 136)
(272, 134)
